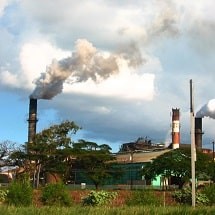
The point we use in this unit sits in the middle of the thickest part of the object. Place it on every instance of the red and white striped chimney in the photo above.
(175, 128)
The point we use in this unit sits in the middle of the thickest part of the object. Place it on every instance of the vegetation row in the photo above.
(20, 193)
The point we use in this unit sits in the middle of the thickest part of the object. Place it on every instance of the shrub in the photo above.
(98, 198)
(144, 197)
(20, 192)
(3, 195)
(56, 194)
(209, 191)
(184, 196)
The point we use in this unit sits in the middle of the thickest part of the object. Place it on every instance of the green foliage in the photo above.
(94, 160)
(52, 146)
(7, 147)
(50, 150)
(144, 197)
(209, 191)
(20, 192)
(176, 163)
(184, 196)
(125, 210)
(137, 210)
(98, 198)
(211, 171)
(56, 194)
(3, 195)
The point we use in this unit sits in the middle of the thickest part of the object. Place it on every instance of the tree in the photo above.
(176, 163)
(211, 170)
(7, 147)
(95, 160)
(50, 151)
(7, 165)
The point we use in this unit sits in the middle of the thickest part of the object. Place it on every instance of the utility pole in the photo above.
(193, 147)
(213, 150)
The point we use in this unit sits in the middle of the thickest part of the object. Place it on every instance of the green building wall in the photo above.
(156, 182)
(129, 174)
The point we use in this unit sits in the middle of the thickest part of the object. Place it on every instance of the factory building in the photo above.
(132, 156)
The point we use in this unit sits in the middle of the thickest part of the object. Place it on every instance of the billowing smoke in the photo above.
(207, 110)
(86, 62)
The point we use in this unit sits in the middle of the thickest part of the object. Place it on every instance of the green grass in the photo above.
(105, 210)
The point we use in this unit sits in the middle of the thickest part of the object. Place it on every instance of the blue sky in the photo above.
(125, 66)
(11, 116)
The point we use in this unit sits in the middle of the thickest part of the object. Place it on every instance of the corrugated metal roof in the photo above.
(139, 157)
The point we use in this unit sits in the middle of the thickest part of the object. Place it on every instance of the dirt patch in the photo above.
(37, 198)
(120, 200)
(168, 200)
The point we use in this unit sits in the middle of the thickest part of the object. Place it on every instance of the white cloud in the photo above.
(34, 57)
(3, 4)
(125, 85)
(175, 39)
(9, 78)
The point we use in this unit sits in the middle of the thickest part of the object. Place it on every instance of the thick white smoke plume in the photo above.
(86, 62)
(207, 110)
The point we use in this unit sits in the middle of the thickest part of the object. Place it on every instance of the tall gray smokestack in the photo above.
(198, 132)
(32, 120)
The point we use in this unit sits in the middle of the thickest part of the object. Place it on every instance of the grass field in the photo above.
(78, 210)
